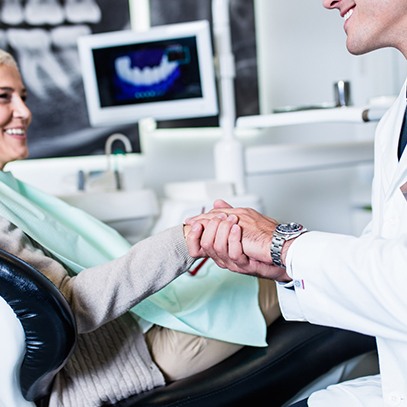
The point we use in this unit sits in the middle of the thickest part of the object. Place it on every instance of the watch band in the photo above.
(275, 250)
(282, 233)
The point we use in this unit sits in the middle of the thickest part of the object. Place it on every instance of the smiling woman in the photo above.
(15, 117)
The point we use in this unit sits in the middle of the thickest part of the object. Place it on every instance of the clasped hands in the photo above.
(237, 239)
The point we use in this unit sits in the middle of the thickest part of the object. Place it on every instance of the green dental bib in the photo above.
(215, 303)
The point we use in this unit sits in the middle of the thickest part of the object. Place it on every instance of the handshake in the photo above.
(241, 240)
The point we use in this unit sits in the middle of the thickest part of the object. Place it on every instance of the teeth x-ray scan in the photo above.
(42, 36)
(166, 70)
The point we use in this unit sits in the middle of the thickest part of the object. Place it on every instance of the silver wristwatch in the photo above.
(283, 232)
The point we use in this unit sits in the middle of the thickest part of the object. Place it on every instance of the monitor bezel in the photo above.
(204, 106)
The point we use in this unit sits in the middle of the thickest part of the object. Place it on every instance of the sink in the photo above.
(131, 212)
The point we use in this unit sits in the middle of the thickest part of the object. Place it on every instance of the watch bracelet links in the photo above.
(275, 250)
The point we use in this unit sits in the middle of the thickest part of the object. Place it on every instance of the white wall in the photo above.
(302, 52)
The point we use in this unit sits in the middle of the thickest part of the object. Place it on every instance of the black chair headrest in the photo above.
(47, 319)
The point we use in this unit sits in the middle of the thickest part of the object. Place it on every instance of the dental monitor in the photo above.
(166, 72)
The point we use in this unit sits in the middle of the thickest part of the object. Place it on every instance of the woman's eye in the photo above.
(4, 96)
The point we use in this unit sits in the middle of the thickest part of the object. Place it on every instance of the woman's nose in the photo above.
(21, 109)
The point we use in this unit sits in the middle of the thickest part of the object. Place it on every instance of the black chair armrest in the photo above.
(298, 353)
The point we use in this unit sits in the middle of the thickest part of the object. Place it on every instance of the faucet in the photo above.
(102, 179)
(108, 151)
(109, 143)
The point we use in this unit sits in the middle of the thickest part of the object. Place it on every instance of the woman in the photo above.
(102, 277)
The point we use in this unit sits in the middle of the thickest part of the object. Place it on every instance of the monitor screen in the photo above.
(166, 72)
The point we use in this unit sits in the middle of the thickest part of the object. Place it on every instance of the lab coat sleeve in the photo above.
(348, 282)
(291, 308)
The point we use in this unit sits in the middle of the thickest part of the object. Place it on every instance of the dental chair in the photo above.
(38, 334)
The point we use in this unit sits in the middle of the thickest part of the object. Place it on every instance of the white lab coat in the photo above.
(360, 283)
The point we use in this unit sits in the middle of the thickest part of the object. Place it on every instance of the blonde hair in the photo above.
(7, 59)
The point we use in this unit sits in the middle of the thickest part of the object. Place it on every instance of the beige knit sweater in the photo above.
(111, 361)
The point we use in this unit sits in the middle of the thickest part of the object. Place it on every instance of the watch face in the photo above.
(289, 228)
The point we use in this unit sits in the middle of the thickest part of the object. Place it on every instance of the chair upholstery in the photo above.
(48, 322)
(298, 352)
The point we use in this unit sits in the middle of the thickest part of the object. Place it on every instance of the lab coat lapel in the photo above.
(394, 172)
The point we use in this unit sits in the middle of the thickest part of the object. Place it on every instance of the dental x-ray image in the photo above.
(42, 35)
(165, 70)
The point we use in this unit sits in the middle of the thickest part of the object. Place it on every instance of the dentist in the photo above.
(355, 283)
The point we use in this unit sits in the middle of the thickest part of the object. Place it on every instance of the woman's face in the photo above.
(15, 117)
